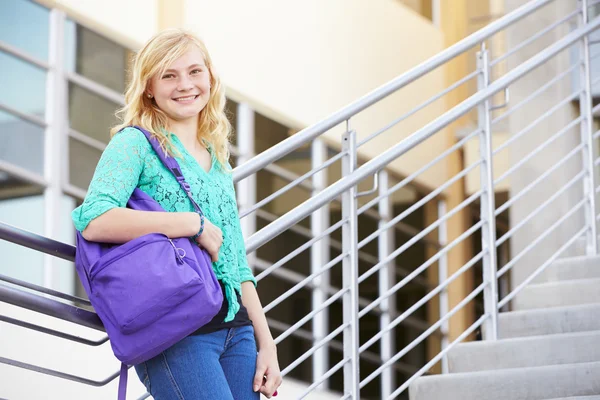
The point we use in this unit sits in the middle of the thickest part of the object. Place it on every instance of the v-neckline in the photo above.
(210, 153)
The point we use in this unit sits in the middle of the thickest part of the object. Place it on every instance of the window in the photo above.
(22, 143)
(82, 163)
(90, 113)
(23, 86)
(24, 25)
(96, 57)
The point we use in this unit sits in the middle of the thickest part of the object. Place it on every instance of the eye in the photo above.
(168, 76)
(196, 71)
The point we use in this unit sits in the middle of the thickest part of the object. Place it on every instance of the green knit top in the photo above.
(129, 162)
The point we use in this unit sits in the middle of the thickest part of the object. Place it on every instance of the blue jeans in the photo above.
(218, 365)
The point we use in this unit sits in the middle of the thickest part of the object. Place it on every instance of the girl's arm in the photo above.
(266, 363)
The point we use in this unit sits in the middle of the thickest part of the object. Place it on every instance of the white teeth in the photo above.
(185, 98)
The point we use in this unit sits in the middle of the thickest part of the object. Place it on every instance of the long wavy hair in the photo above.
(154, 58)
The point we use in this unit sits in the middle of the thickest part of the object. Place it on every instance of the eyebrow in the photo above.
(190, 67)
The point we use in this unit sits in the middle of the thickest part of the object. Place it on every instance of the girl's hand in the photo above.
(211, 239)
(267, 366)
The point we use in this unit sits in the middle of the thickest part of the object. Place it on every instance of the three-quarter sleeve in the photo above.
(116, 177)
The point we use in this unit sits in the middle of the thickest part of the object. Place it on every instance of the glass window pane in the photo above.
(21, 205)
(96, 57)
(24, 24)
(22, 143)
(82, 163)
(23, 85)
(91, 114)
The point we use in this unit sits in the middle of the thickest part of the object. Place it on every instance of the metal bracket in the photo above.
(506, 100)
(372, 190)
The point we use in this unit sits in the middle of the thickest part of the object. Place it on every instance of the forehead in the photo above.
(192, 56)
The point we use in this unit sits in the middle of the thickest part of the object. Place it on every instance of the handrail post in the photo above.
(588, 156)
(442, 276)
(350, 270)
(488, 205)
(386, 281)
(319, 256)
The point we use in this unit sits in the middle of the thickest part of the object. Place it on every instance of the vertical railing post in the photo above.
(350, 270)
(386, 281)
(585, 107)
(319, 256)
(442, 276)
(488, 205)
(246, 188)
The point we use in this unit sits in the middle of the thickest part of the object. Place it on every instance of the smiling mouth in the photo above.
(187, 98)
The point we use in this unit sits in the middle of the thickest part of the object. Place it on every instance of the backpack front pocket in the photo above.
(141, 282)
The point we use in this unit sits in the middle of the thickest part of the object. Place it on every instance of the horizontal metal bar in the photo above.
(41, 289)
(18, 53)
(287, 175)
(411, 177)
(412, 241)
(419, 108)
(533, 95)
(36, 242)
(53, 332)
(53, 308)
(535, 37)
(58, 374)
(309, 316)
(96, 88)
(421, 302)
(541, 269)
(538, 239)
(535, 122)
(522, 222)
(144, 396)
(304, 282)
(291, 185)
(539, 179)
(370, 167)
(316, 347)
(322, 379)
(418, 204)
(74, 191)
(373, 189)
(423, 336)
(23, 174)
(440, 355)
(593, 3)
(420, 269)
(307, 135)
(31, 118)
(539, 148)
(300, 249)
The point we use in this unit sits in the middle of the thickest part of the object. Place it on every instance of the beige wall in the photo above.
(302, 61)
(130, 22)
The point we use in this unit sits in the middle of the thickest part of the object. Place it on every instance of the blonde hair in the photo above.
(154, 58)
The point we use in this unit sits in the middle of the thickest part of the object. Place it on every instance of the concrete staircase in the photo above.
(549, 348)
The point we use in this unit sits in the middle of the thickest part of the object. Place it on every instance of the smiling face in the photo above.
(183, 89)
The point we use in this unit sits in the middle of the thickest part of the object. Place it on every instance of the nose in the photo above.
(185, 84)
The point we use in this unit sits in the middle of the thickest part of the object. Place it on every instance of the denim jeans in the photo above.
(215, 366)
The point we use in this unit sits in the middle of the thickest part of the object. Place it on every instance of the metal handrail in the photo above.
(369, 168)
(307, 135)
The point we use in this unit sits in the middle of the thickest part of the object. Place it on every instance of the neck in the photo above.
(186, 131)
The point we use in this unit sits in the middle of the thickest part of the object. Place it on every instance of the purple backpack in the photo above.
(152, 291)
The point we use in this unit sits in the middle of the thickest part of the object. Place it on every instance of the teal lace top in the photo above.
(129, 162)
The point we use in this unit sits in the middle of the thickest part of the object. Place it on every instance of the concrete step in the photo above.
(579, 398)
(583, 318)
(571, 268)
(533, 351)
(558, 294)
(515, 384)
